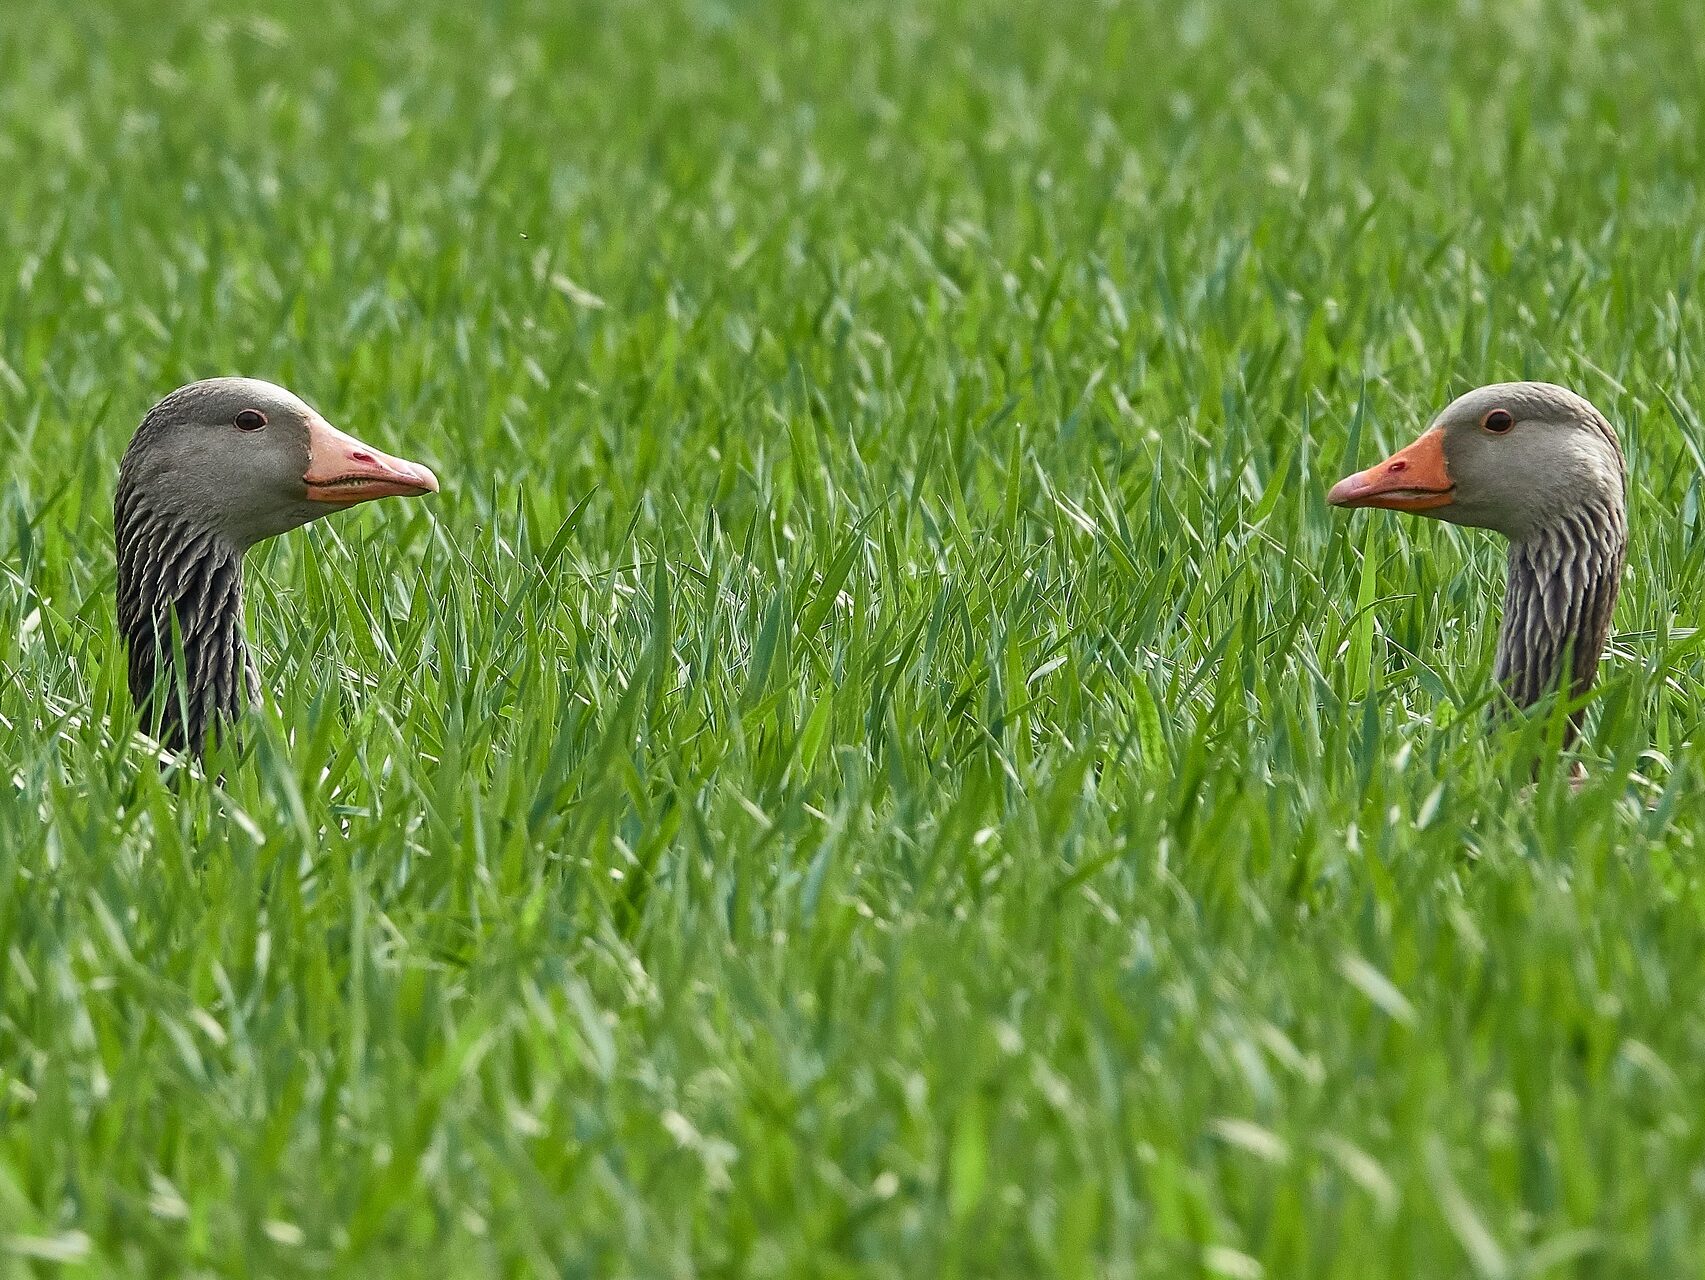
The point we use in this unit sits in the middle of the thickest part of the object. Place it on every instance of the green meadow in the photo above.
(880, 761)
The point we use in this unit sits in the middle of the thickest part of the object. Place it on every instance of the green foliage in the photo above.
(880, 762)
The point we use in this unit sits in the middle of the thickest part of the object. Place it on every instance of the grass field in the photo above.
(880, 761)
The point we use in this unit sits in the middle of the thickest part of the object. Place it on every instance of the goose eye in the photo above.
(1498, 421)
(250, 420)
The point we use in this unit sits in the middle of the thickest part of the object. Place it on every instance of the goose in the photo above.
(1538, 464)
(213, 469)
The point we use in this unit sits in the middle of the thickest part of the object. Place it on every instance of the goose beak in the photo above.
(1415, 478)
(343, 471)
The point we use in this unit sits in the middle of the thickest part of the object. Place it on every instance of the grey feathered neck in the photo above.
(171, 572)
(1558, 601)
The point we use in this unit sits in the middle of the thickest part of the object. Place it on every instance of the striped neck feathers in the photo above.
(180, 595)
(1558, 601)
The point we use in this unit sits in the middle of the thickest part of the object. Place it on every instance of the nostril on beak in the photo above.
(1399, 465)
(361, 456)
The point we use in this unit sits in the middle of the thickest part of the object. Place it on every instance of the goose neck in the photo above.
(1558, 600)
(180, 597)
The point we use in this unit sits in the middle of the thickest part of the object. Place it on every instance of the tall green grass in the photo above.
(880, 761)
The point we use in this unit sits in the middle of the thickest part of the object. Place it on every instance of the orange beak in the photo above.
(344, 471)
(1415, 478)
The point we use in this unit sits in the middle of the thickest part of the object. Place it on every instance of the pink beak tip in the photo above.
(423, 474)
(1344, 492)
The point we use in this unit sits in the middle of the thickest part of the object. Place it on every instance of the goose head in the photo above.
(1515, 457)
(245, 460)
(1540, 465)
(214, 468)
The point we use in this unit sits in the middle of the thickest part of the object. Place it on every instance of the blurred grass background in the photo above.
(880, 761)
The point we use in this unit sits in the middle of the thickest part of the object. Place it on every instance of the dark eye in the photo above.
(250, 420)
(1498, 421)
